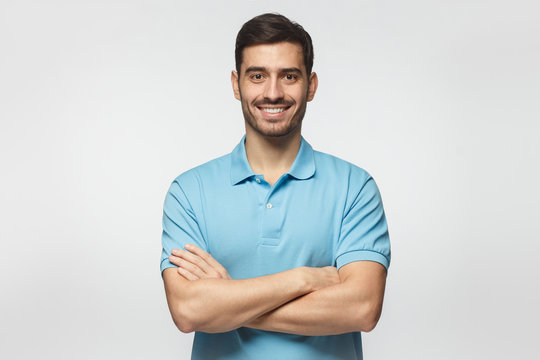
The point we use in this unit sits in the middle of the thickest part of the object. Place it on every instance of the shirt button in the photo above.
(258, 180)
(269, 206)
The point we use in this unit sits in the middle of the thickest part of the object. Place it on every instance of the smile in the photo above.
(273, 110)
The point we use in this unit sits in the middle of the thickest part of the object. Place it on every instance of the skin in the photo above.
(305, 300)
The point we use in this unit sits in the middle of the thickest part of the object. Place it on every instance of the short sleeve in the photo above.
(364, 232)
(180, 225)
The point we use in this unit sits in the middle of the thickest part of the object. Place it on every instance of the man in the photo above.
(274, 251)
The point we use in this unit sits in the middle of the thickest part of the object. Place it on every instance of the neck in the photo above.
(272, 156)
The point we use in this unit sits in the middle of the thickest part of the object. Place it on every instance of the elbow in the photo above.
(185, 326)
(187, 323)
(368, 325)
(368, 317)
(183, 317)
(186, 305)
(183, 323)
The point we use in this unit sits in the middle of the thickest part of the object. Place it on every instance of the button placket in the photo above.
(272, 216)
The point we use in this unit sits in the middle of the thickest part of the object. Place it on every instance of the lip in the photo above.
(276, 116)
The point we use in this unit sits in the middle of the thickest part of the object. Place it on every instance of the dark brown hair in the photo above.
(271, 29)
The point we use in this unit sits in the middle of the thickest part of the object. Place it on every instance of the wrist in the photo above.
(304, 279)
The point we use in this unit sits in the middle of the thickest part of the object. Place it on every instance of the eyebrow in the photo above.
(255, 69)
(263, 69)
(292, 70)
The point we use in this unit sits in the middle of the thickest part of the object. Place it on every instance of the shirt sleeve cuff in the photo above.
(359, 255)
(165, 264)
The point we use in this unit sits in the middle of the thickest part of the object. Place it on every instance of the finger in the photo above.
(192, 268)
(186, 274)
(208, 259)
(197, 265)
(194, 259)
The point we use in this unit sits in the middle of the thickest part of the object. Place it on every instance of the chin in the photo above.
(275, 132)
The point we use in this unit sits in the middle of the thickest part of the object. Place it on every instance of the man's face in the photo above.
(274, 88)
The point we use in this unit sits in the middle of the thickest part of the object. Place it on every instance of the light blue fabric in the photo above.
(324, 211)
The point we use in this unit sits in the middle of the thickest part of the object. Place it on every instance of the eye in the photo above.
(290, 77)
(256, 77)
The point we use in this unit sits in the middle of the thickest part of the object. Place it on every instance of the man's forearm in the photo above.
(313, 314)
(217, 305)
(333, 310)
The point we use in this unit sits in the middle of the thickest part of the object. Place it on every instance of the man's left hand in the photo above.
(195, 264)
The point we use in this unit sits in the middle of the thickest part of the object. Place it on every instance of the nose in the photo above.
(273, 90)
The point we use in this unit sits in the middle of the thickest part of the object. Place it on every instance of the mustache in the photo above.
(276, 102)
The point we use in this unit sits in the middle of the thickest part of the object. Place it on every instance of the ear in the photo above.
(234, 83)
(312, 88)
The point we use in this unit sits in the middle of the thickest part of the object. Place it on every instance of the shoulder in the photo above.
(213, 170)
(340, 170)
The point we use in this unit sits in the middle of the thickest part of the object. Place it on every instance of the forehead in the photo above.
(276, 56)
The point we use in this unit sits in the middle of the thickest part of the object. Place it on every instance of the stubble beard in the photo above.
(294, 124)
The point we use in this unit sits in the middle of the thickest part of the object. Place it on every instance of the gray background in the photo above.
(103, 103)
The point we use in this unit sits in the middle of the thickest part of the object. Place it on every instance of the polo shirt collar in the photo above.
(302, 168)
(240, 169)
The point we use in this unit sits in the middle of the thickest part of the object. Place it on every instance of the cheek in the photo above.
(249, 97)
(298, 94)
(249, 90)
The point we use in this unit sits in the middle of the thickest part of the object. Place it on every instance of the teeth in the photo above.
(273, 111)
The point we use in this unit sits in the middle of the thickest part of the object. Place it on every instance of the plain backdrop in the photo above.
(104, 103)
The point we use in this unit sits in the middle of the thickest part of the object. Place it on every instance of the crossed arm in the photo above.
(306, 301)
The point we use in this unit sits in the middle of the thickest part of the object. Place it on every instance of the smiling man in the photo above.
(275, 250)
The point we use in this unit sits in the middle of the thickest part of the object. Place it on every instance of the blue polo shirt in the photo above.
(324, 211)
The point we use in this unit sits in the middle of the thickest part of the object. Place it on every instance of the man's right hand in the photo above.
(321, 277)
